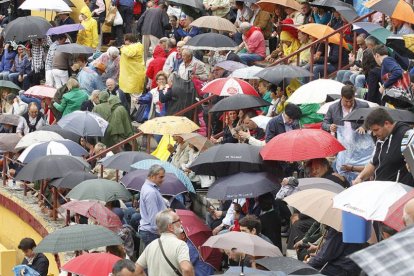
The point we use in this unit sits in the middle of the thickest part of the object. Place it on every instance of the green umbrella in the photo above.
(99, 189)
(77, 237)
(375, 30)
(9, 84)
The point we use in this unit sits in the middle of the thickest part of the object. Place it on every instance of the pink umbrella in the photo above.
(41, 91)
(394, 217)
(229, 87)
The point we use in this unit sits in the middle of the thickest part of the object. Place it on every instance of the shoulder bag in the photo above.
(168, 261)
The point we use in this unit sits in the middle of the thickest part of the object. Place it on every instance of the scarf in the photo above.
(251, 31)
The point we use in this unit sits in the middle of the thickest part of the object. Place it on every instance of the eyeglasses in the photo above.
(178, 220)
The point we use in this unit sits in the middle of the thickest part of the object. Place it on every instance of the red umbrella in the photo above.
(229, 87)
(198, 233)
(41, 91)
(301, 144)
(97, 211)
(394, 218)
(92, 264)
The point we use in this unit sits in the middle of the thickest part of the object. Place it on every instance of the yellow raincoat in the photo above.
(89, 36)
(294, 45)
(132, 68)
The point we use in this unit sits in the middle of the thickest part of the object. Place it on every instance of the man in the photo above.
(125, 8)
(16, 105)
(60, 39)
(186, 30)
(387, 163)
(250, 224)
(93, 101)
(167, 247)
(333, 61)
(174, 59)
(191, 67)
(408, 213)
(253, 42)
(124, 268)
(113, 89)
(65, 19)
(284, 122)
(150, 204)
(33, 119)
(339, 110)
(88, 78)
(37, 261)
(219, 8)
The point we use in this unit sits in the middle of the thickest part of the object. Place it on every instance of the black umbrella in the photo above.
(287, 265)
(360, 114)
(70, 180)
(329, 3)
(197, 4)
(396, 42)
(228, 159)
(278, 73)
(348, 13)
(70, 4)
(74, 48)
(211, 41)
(243, 185)
(10, 119)
(8, 141)
(239, 101)
(62, 132)
(123, 160)
(26, 28)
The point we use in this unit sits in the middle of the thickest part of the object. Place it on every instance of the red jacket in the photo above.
(156, 65)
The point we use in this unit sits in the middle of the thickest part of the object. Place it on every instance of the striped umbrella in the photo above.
(397, 9)
(229, 87)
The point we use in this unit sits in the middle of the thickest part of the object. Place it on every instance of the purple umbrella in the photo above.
(230, 65)
(65, 29)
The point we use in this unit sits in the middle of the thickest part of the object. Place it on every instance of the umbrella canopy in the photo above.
(319, 183)
(197, 140)
(243, 185)
(261, 121)
(41, 91)
(84, 123)
(239, 101)
(229, 87)
(301, 144)
(270, 5)
(197, 4)
(244, 243)
(360, 114)
(92, 264)
(9, 84)
(71, 179)
(397, 43)
(50, 166)
(397, 9)
(146, 164)
(230, 65)
(288, 265)
(65, 29)
(394, 216)
(62, 147)
(324, 108)
(74, 48)
(370, 199)
(226, 159)
(77, 237)
(99, 189)
(10, 119)
(66, 134)
(45, 5)
(247, 271)
(278, 73)
(247, 73)
(212, 42)
(124, 159)
(26, 28)
(315, 91)
(374, 29)
(171, 185)
(346, 10)
(317, 204)
(319, 31)
(214, 22)
(97, 211)
(8, 141)
(171, 125)
(38, 136)
(69, 3)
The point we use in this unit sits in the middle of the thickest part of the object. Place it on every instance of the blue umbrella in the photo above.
(146, 164)
(27, 271)
(65, 29)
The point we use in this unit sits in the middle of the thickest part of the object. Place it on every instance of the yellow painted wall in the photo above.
(13, 229)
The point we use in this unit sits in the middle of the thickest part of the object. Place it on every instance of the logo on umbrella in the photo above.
(232, 91)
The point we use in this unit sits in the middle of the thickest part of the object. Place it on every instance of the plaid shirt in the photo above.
(50, 55)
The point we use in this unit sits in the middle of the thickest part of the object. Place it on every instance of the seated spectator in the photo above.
(179, 152)
(107, 173)
(88, 105)
(250, 224)
(21, 67)
(297, 16)
(400, 27)
(7, 61)
(372, 73)
(191, 67)
(174, 59)
(321, 15)
(230, 120)
(253, 43)
(288, 45)
(113, 89)
(88, 78)
(73, 99)
(36, 261)
(186, 30)
(320, 167)
(270, 219)
(110, 60)
(305, 55)
(33, 119)
(262, 20)
(251, 133)
(284, 122)
(333, 61)
(15, 105)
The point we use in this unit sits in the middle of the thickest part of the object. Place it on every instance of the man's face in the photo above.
(218, 72)
(378, 59)
(347, 103)
(187, 57)
(33, 111)
(173, 22)
(110, 85)
(125, 272)
(317, 169)
(159, 178)
(246, 230)
(249, 123)
(28, 253)
(288, 120)
(381, 132)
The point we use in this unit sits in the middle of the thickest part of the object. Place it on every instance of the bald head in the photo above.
(408, 215)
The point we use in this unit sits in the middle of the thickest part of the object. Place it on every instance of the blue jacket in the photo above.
(393, 69)
(276, 126)
(201, 268)
(146, 100)
(128, 3)
(7, 60)
(22, 67)
(192, 32)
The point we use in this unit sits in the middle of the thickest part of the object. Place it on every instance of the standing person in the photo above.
(37, 261)
(156, 64)
(73, 99)
(89, 35)
(169, 255)
(60, 39)
(65, 19)
(151, 202)
(219, 8)
(125, 8)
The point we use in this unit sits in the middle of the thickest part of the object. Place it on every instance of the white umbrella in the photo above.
(261, 121)
(370, 199)
(247, 73)
(45, 5)
(324, 108)
(38, 136)
(315, 91)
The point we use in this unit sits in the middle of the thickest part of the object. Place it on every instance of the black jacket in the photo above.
(276, 126)
(40, 263)
(87, 106)
(154, 22)
(335, 115)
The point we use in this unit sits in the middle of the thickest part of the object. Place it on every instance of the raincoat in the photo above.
(71, 101)
(294, 45)
(103, 108)
(156, 64)
(132, 68)
(88, 36)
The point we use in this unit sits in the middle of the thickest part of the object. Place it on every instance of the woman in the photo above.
(230, 119)
(304, 40)
(158, 102)
(21, 67)
(73, 99)
(110, 60)
(288, 44)
(89, 35)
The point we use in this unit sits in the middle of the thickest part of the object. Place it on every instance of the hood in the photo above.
(86, 11)
(159, 52)
(114, 101)
(103, 97)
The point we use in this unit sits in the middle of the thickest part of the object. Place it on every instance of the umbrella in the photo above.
(324, 108)
(84, 123)
(301, 144)
(360, 114)
(171, 125)
(62, 132)
(397, 43)
(370, 199)
(392, 256)
(279, 73)
(197, 4)
(50, 166)
(239, 101)
(9, 84)
(247, 73)
(62, 147)
(261, 121)
(394, 216)
(270, 5)
(375, 30)
(74, 48)
(25, 270)
(45, 5)
(99, 189)
(8, 141)
(124, 159)
(319, 183)
(169, 168)
(247, 271)
(244, 243)
(397, 9)
(65, 29)
(92, 264)
(198, 233)
(41, 91)
(97, 211)
(71, 179)
(226, 159)
(197, 140)
(77, 237)
(288, 265)
(315, 91)
(230, 65)
(38, 136)
(243, 185)
(10, 119)
(212, 42)
(214, 22)
(26, 28)
(317, 204)
(69, 3)
(171, 185)
(319, 31)
(229, 87)
(346, 10)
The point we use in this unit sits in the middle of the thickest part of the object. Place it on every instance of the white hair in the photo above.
(113, 51)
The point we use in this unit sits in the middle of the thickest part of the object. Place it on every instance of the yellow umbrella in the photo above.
(319, 30)
(270, 5)
(168, 125)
